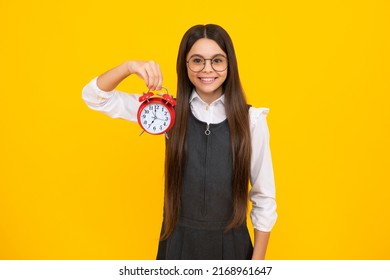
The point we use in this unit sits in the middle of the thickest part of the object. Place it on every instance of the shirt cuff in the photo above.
(99, 92)
(261, 222)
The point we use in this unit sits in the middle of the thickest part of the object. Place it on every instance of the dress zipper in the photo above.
(207, 131)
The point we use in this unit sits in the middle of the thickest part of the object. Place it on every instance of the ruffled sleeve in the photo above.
(262, 193)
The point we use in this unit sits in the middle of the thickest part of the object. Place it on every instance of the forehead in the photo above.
(206, 48)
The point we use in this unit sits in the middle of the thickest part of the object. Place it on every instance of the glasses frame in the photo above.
(211, 62)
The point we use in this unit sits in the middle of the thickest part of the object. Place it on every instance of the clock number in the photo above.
(152, 119)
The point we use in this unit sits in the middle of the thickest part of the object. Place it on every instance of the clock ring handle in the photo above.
(167, 97)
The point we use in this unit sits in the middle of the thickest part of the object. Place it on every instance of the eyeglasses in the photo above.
(197, 63)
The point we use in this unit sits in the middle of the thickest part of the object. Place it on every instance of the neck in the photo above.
(210, 97)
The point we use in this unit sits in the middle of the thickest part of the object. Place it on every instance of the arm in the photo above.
(149, 71)
(100, 94)
(260, 246)
(262, 193)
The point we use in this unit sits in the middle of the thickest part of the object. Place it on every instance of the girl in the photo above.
(216, 146)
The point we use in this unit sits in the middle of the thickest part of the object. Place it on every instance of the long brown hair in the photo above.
(237, 116)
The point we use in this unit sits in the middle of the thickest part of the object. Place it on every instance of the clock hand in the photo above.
(151, 123)
(158, 118)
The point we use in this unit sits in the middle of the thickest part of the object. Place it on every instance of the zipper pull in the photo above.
(207, 131)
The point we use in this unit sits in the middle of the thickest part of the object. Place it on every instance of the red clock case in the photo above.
(166, 100)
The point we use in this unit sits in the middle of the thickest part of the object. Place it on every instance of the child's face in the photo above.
(207, 82)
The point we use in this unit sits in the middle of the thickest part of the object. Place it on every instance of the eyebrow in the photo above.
(218, 54)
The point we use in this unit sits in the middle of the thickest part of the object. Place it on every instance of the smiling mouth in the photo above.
(207, 80)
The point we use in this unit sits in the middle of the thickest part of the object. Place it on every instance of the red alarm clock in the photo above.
(156, 114)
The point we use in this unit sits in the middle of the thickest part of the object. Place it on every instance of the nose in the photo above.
(208, 67)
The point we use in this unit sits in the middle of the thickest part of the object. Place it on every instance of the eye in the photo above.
(218, 60)
(197, 60)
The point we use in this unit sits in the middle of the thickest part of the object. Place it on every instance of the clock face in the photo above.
(155, 118)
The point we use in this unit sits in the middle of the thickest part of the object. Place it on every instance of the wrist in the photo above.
(258, 255)
(128, 65)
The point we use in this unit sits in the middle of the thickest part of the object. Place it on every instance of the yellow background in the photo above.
(75, 184)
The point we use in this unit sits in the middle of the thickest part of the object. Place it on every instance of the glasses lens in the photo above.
(196, 63)
(219, 63)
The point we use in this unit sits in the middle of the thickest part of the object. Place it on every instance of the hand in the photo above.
(149, 71)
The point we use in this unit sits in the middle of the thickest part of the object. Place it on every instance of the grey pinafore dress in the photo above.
(206, 201)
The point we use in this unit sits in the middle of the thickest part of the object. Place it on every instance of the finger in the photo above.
(142, 73)
(160, 77)
(157, 81)
(150, 68)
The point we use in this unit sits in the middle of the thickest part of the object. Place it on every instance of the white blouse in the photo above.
(117, 104)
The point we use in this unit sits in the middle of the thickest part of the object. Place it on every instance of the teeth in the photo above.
(207, 79)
